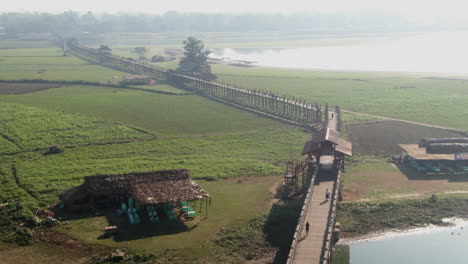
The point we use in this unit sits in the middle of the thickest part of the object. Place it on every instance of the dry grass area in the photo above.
(22, 88)
(374, 180)
(42, 253)
(383, 137)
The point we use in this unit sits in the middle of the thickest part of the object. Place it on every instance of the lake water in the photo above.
(433, 246)
(419, 52)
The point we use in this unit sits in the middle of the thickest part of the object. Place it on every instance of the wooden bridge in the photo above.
(287, 109)
(326, 151)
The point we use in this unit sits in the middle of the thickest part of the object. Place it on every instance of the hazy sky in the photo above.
(417, 9)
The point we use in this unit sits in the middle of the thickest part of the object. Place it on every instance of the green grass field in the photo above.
(29, 128)
(399, 95)
(50, 64)
(245, 154)
(411, 96)
(226, 209)
(237, 156)
(164, 114)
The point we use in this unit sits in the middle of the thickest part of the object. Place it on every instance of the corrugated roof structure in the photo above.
(420, 153)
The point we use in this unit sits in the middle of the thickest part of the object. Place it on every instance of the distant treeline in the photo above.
(74, 22)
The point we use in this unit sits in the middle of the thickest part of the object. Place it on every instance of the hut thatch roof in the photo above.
(152, 187)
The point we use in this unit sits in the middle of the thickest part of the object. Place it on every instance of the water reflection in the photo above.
(425, 246)
(428, 52)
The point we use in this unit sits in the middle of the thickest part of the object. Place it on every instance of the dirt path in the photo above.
(406, 121)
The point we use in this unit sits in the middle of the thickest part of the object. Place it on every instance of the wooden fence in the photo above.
(284, 108)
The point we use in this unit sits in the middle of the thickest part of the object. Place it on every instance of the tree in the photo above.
(103, 51)
(195, 62)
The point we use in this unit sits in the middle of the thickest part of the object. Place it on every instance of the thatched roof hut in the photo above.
(154, 187)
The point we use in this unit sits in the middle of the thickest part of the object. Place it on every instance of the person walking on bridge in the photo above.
(327, 194)
(307, 228)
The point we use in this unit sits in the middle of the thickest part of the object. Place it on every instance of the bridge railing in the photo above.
(302, 217)
(326, 255)
(295, 110)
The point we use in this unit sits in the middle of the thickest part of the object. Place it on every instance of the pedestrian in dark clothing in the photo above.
(327, 195)
(332, 116)
(307, 228)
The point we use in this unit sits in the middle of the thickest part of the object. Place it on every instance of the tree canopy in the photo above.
(195, 60)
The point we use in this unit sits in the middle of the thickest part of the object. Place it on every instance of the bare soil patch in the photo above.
(383, 137)
(387, 181)
(22, 88)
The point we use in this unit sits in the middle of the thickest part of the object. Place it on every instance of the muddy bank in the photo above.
(369, 219)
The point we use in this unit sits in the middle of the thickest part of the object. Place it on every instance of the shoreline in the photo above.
(422, 73)
(449, 223)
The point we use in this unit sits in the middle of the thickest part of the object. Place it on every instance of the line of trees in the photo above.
(74, 23)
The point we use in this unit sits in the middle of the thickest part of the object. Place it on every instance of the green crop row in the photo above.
(24, 127)
(213, 157)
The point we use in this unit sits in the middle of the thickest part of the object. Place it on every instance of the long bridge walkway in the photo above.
(310, 247)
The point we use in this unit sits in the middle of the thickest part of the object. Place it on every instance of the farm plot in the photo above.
(22, 88)
(171, 115)
(257, 153)
(34, 128)
(375, 180)
(7, 146)
(50, 64)
(383, 137)
(409, 96)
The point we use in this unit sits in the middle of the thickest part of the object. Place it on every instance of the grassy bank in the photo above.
(359, 219)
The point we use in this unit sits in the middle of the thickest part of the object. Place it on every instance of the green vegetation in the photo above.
(365, 218)
(246, 154)
(234, 202)
(356, 118)
(40, 253)
(23, 44)
(34, 128)
(50, 64)
(377, 179)
(195, 60)
(164, 114)
(341, 254)
(163, 88)
(400, 95)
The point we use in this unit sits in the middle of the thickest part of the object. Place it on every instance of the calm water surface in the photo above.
(423, 52)
(428, 247)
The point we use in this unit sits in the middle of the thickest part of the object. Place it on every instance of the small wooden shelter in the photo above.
(328, 143)
(437, 155)
(147, 188)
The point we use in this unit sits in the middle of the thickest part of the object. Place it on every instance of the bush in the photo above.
(11, 232)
